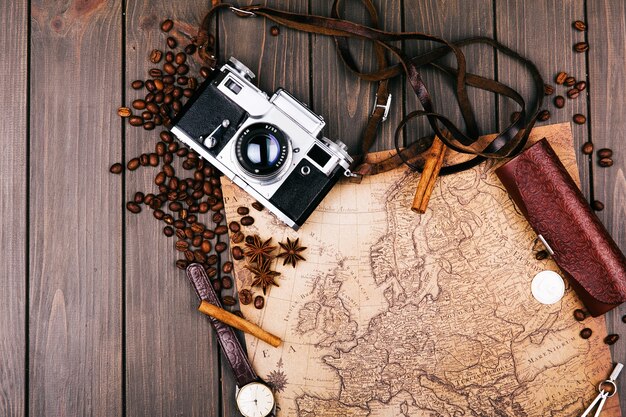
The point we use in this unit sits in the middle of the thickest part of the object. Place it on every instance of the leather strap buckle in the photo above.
(385, 106)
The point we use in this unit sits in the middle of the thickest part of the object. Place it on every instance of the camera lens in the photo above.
(261, 149)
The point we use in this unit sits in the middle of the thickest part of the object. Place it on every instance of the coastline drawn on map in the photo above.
(399, 314)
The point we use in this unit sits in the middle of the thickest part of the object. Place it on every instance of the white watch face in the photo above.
(255, 400)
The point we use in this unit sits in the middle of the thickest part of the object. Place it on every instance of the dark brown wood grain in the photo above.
(344, 100)
(452, 21)
(542, 31)
(75, 349)
(278, 61)
(607, 59)
(172, 355)
(13, 208)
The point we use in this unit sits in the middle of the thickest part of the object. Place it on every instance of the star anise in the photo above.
(291, 252)
(263, 275)
(258, 250)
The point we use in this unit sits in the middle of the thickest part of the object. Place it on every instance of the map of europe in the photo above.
(399, 314)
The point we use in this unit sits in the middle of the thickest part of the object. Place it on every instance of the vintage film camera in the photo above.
(271, 147)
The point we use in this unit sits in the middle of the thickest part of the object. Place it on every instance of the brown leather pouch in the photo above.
(548, 197)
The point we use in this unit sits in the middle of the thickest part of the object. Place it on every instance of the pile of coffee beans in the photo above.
(181, 197)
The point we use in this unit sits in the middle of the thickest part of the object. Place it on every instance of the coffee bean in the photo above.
(237, 237)
(124, 112)
(211, 272)
(191, 219)
(135, 121)
(217, 285)
(581, 47)
(181, 264)
(149, 125)
(249, 240)
(605, 162)
(158, 214)
(208, 234)
(205, 246)
(259, 302)
(611, 339)
(247, 220)
(257, 206)
(133, 207)
(243, 210)
(199, 256)
(560, 77)
(169, 68)
(168, 231)
(579, 119)
(197, 227)
(541, 255)
(182, 70)
(205, 72)
(139, 104)
(245, 296)
(166, 136)
(116, 168)
(138, 197)
(217, 217)
(160, 178)
(569, 82)
(227, 283)
(196, 241)
(148, 199)
(587, 148)
(597, 205)
(158, 84)
(181, 245)
(605, 153)
(573, 93)
(580, 25)
(143, 159)
(586, 333)
(171, 42)
(153, 159)
(169, 56)
(137, 84)
(221, 229)
(133, 164)
(180, 58)
(167, 25)
(228, 301)
(559, 102)
(146, 115)
(217, 206)
(203, 207)
(190, 49)
(212, 259)
(543, 115)
(227, 267)
(579, 314)
(155, 58)
(548, 89)
(220, 247)
(179, 224)
(624, 318)
(234, 227)
(150, 86)
(513, 118)
(237, 253)
(180, 234)
(193, 83)
(581, 85)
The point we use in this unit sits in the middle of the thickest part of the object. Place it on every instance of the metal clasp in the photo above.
(545, 245)
(245, 13)
(386, 106)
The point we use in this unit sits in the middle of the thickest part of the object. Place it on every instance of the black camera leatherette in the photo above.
(300, 194)
(202, 115)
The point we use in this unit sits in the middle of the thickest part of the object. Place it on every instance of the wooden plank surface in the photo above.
(607, 59)
(344, 100)
(172, 357)
(75, 211)
(452, 21)
(13, 208)
(542, 31)
(277, 61)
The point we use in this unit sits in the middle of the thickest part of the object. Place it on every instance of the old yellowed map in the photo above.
(397, 314)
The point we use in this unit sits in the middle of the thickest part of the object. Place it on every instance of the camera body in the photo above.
(270, 147)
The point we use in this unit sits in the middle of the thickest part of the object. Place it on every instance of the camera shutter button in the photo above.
(305, 170)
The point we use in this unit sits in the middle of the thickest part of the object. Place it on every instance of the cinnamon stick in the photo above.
(238, 323)
(427, 181)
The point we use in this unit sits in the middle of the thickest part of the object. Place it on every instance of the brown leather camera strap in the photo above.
(507, 143)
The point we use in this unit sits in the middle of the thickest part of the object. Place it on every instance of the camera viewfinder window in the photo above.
(318, 155)
(233, 86)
